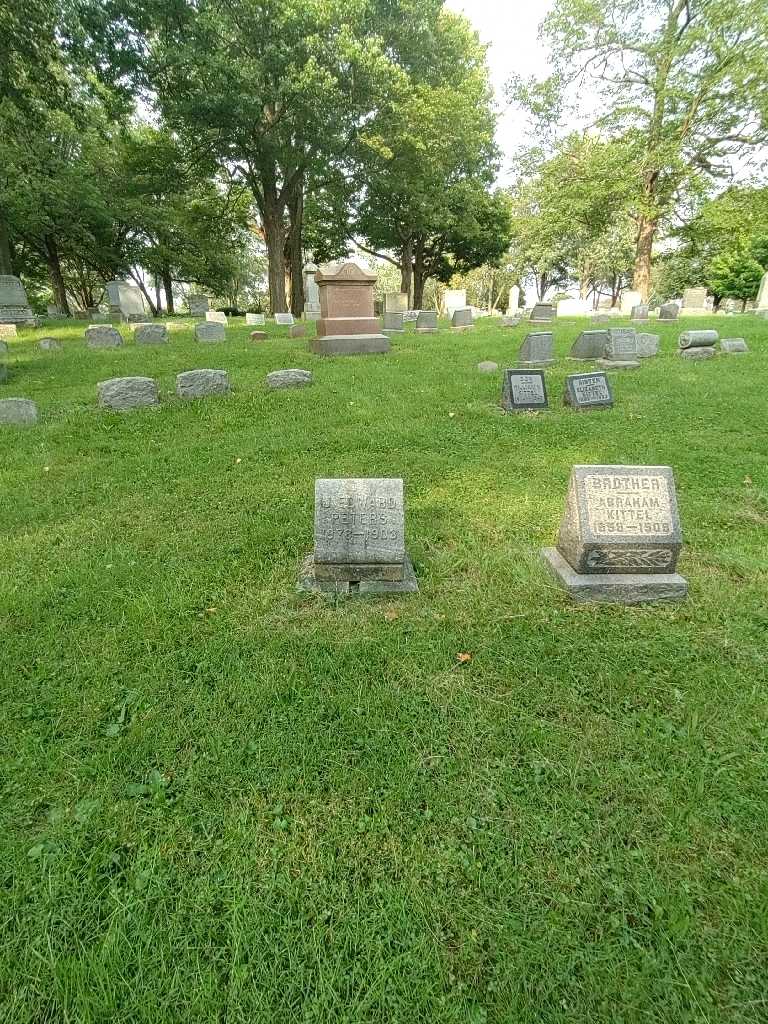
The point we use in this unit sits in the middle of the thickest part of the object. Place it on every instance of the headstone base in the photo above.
(614, 588)
(464, 327)
(310, 583)
(349, 344)
(618, 364)
(523, 364)
(705, 352)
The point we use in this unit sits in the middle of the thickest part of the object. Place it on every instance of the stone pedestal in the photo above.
(347, 324)
(14, 308)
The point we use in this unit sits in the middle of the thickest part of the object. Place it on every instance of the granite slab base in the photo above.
(619, 364)
(614, 588)
(350, 345)
(309, 583)
(532, 364)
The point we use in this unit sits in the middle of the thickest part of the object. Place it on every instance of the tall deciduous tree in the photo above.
(683, 80)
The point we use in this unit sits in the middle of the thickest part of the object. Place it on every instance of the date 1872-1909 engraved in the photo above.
(628, 506)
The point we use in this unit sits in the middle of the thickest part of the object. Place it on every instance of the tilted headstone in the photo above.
(198, 305)
(523, 391)
(289, 379)
(395, 302)
(255, 319)
(589, 345)
(695, 298)
(210, 331)
(8, 331)
(462, 319)
(426, 322)
(14, 307)
(347, 325)
(49, 345)
(698, 339)
(121, 394)
(103, 337)
(648, 345)
(640, 312)
(588, 391)
(150, 334)
(669, 311)
(629, 299)
(537, 349)
(213, 316)
(621, 350)
(359, 539)
(126, 300)
(202, 383)
(284, 319)
(733, 346)
(393, 323)
(620, 537)
(17, 412)
(542, 313)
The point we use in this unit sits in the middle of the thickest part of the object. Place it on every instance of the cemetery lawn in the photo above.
(225, 801)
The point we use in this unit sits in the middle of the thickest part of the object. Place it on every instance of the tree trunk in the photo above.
(295, 260)
(54, 270)
(158, 303)
(646, 232)
(419, 277)
(271, 209)
(6, 257)
(168, 289)
(406, 269)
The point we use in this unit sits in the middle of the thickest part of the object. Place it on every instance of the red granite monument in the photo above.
(347, 324)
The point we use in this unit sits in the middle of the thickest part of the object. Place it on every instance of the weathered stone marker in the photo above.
(284, 319)
(698, 344)
(14, 307)
(621, 350)
(121, 394)
(311, 293)
(426, 322)
(17, 412)
(733, 346)
(201, 383)
(542, 313)
(212, 316)
(537, 349)
(393, 323)
(620, 536)
(648, 345)
(210, 331)
(487, 366)
(588, 391)
(347, 325)
(589, 345)
(8, 331)
(669, 311)
(297, 331)
(523, 391)
(49, 345)
(640, 312)
(150, 334)
(289, 379)
(198, 305)
(395, 302)
(103, 337)
(126, 301)
(462, 319)
(255, 319)
(359, 539)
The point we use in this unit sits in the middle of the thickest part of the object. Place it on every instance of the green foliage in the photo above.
(734, 275)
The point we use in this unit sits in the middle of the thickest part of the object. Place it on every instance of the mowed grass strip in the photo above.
(225, 801)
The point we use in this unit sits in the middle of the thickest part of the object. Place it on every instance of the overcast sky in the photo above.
(511, 30)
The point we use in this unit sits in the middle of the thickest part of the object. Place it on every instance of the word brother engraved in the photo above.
(620, 536)
(359, 539)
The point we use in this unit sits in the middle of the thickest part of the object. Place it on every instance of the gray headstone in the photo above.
(698, 339)
(487, 367)
(359, 530)
(255, 319)
(648, 345)
(395, 302)
(297, 331)
(701, 352)
(393, 323)
(213, 316)
(640, 312)
(669, 311)
(284, 319)
(17, 411)
(258, 335)
(122, 394)
(620, 537)
(14, 307)
(151, 334)
(201, 383)
(49, 345)
(198, 305)
(589, 345)
(588, 391)
(103, 337)
(53, 311)
(289, 378)
(622, 344)
(542, 313)
(210, 331)
(733, 346)
(523, 390)
(126, 300)
(695, 298)
(537, 349)
(8, 331)
(510, 321)
(426, 322)
(462, 319)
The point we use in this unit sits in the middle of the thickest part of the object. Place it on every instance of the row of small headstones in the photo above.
(619, 539)
(122, 394)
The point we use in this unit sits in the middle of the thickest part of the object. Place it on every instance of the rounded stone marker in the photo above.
(289, 378)
(49, 345)
(122, 394)
(733, 346)
(707, 352)
(258, 335)
(697, 339)
(201, 383)
(150, 334)
(18, 411)
(100, 336)
(297, 331)
(487, 366)
(210, 331)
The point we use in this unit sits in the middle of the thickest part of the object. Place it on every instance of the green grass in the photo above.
(224, 801)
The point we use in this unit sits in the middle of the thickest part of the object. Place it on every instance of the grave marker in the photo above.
(733, 346)
(347, 325)
(122, 394)
(621, 350)
(393, 323)
(589, 345)
(103, 337)
(523, 391)
(210, 331)
(542, 313)
(201, 383)
(198, 305)
(426, 322)
(284, 319)
(462, 319)
(213, 316)
(150, 334)
(537, 349)
(588, 391)
(14, 307)
(17, 412)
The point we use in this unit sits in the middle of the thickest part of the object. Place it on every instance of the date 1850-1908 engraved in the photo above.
(628, 506)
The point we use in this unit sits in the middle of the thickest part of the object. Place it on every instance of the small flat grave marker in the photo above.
(426, 322)
(588, 391)
(210, 331)
(589, 345)
(542, 313)
(537, 349)
(524, 390)
(284, 319)
(103, 337)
